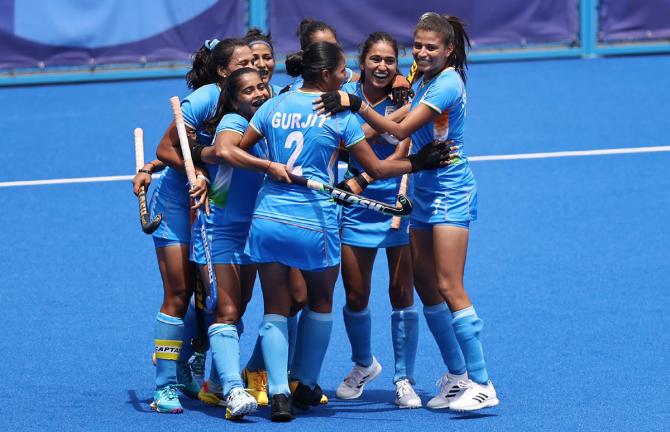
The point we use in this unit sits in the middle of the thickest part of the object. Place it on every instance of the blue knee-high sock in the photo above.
(292, 336)
(467, 326)
(214, 380)
(274, 341)
(296, 364)
(359, 327)
(316, 337)
(225, 343)
(168, 335)
(190, 332)
(438, 318)
(405, 335)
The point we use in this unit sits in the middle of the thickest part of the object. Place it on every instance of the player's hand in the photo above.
(355, 184)
(200, 193)
(401, 90)
(433, 156)
(337, 101)
(279, 172)
(142, 179)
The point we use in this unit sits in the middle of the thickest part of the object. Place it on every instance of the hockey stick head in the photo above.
(404, 207)
(148, 225)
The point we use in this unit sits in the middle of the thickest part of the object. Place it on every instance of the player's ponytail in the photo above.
(459, 56)
(207, 60)
(294, 64)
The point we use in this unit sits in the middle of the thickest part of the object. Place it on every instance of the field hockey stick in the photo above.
(403, 209)
(212, 296)
(148, 225)
(395, 222)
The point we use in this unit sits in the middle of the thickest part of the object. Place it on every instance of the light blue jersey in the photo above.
(361, 227)
(171, 197)
(302, 231)
(274, 89)
(232, 197)
(446, 194)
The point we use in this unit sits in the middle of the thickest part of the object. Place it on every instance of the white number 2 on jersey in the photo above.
(297, 138)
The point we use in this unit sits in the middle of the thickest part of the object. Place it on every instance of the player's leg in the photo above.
(438, 316)
(318, 324)
(450, 245)
(177, 275)
(404, 324)
(273, 335)
(357, 265)
(224, 340)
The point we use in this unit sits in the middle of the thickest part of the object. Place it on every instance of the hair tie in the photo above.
(211, 44)
(259, 41)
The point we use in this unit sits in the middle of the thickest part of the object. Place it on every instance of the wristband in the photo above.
(197, 152)
(200, 176)
(367, 105)
(142, 170)
(267, 167)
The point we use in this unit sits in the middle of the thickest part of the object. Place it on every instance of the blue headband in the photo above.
(211, 44)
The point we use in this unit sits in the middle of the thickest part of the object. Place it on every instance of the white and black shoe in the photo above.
(449, 390)
(405, 396)
(475, 397)
(353, 385)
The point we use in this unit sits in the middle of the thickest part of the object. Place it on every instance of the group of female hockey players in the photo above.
(253, 144)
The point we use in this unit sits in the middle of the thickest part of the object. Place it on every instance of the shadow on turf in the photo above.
(140, 405)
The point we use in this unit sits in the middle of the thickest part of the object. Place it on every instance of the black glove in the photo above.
(401, 90)
(332, 102)
(429, 157)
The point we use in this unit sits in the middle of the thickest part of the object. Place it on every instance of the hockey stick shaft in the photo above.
(357, 200)
(212, 295)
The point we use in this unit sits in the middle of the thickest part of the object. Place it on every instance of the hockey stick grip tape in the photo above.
(139, 149)
(183, 140)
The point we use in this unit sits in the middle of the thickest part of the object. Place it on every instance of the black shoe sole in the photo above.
(282, 417)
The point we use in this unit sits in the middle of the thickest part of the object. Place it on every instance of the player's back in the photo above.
(308, 144)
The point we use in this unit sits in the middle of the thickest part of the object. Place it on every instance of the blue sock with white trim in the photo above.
(438, 318)
(168, 335)
(467, 326)
(405, 335)
(225, 344)
(274, 342)
(316, 337)
(359, 327)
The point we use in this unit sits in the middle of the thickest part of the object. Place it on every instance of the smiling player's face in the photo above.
(252, 94)
(380, 65)
(263, 60)
(430, 52)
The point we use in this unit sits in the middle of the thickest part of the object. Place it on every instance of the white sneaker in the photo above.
(405, 396)
(239, 403)
(353, 384)
(449, 390)
(474, 397)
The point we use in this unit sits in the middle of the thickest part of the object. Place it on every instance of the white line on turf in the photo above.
(519, 156)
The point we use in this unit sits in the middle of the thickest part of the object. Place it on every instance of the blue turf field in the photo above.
(568, 264)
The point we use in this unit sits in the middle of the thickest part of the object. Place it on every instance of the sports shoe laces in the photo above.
(169, 392)
(261, 382)
(403, 388)
(442, 382)
(466, 384)
(355, 376)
